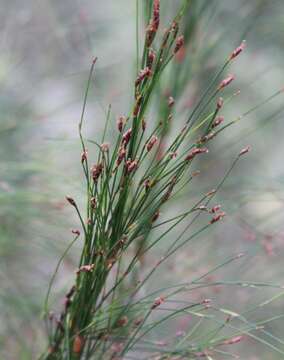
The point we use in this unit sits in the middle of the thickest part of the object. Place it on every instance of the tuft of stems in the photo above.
(131, 181)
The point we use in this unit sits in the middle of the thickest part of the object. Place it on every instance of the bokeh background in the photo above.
(46, 48)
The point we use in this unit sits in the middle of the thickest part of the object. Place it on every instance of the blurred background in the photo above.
(46, 48)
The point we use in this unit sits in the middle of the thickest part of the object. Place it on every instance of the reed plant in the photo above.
(132, 178)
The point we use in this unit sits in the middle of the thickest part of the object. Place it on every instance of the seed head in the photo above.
(155, 216)
(226, 82)
(123, 321)
(217, 217)
(215, 209)
(143, 124)
(86, 268)
(179, 44)
(131, 166)
(158, 301)
(121, 155)
(105, 147)
(75, 232)
(145, 73)
(93, 202)
(96, 171)
(245, 150)
(84, 156)
(234, 340)
(218, 121)
(120, 123)
(151, 58)
(171, 101)
(71, 201)
(195, 152)
(220, 103)
(126, 136)
(151, 143)
(78, 344)
(238, 50)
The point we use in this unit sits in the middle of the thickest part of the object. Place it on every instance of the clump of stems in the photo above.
(104, 317)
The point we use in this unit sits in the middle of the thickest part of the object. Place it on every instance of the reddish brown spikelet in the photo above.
(105, 147)
(71, 201)
(137, 105)
(233, 341)
(245, 150)
(154, 23)
(151, 58)
(96, 171)
(78, 344)
(126, 136)
(131, 166)
(171, 101)
(86, 268)
(218, 121)
(76, 232)
(238, 50)
(84, 156)
(226, 82)
(156, 14)
(174, 29)
(173, 154)
(155, 216)
(211, 192)
(138, 321)
(123, 321)
(152, 142)
(121, 155)
(93, 202)
(217, 217)
(145, 73)
(158, 301)
(195, 152)
(215, 209)
(143, 124)
(179, 44)
(220, 103)
(120, 123)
